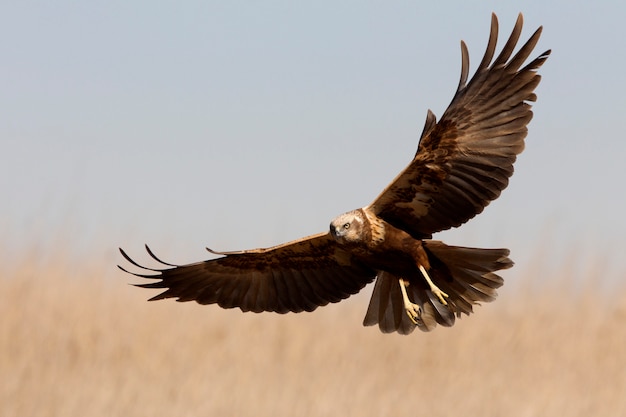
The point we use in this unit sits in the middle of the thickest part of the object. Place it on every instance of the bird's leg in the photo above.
(412, 310)
(435, 289)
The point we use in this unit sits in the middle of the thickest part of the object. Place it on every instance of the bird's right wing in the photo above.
(297, 276)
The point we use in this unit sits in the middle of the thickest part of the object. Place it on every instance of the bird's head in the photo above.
(348, 227)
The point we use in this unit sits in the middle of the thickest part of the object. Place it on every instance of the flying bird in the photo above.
(462, 163)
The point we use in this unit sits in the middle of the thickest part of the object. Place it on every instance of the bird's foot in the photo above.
(413, 310)
(440, 295)
(435, 289)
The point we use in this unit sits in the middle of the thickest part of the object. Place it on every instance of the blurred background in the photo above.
(238, 124)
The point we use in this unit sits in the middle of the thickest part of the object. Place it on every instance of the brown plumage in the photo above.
(462, 163)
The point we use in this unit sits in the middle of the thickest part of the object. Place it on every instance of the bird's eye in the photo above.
(346, 226)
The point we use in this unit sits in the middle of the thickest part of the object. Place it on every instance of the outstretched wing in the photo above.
(296, 276)
(464, 161)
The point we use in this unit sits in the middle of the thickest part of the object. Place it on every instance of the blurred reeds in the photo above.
(77, 340)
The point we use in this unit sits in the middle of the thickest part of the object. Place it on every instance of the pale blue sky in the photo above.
(245, 124)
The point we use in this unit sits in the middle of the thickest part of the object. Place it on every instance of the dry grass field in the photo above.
(77, 341)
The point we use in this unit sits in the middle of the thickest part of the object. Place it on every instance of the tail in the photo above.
(465, 274)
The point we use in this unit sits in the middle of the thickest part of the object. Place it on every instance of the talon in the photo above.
(435, 289)
(413, 310)
(440, 294)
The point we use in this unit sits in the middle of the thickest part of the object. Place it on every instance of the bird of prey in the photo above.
(462, 163)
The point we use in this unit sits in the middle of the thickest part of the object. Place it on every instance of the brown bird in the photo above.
(462, 163)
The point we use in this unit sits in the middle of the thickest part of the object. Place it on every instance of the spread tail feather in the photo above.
(465, 274)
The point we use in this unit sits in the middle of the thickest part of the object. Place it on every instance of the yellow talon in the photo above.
(435, 289)
(412, 310)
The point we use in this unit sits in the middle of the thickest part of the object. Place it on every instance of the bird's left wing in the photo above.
(465, 160)
(297, 276)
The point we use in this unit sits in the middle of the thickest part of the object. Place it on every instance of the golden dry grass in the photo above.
(85, 343)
